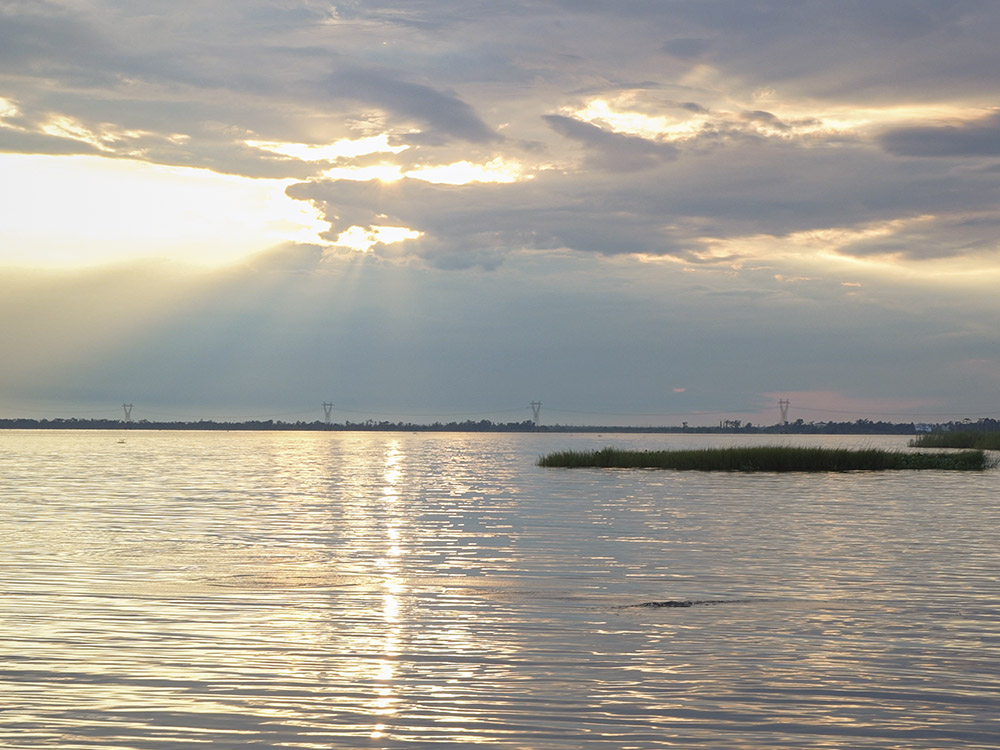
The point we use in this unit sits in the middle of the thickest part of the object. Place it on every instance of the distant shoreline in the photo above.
(858, 427)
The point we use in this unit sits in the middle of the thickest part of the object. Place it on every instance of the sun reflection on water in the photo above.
(388, 701)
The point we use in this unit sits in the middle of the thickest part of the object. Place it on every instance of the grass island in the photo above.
(772, 458)
(974, 439)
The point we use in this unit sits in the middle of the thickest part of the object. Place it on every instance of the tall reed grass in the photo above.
(988, 441)
(770, 458)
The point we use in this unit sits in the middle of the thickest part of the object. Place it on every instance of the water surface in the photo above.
(391, 590)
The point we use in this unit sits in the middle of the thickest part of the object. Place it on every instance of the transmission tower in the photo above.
(783, 404)
(327, 408)
(128, 412)
(536, 408)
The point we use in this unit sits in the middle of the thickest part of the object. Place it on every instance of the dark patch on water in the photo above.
(685, 603)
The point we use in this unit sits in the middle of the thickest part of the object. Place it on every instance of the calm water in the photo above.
(278, 590)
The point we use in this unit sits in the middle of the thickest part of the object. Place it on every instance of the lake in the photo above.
(420, 590)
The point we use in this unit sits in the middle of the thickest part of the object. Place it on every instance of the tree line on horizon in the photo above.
(798, 427)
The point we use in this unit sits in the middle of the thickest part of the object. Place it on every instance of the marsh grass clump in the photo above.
(770, 458)
(963, 439)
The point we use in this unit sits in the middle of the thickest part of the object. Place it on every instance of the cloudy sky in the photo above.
(638, 212)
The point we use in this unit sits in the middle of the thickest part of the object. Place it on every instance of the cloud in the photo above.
(981, 138)
(45, 37)
(611, 151)
(447, 115)
(687, 48)
(766, 118)
(951, 235)
(898, 49)
(480, 224)
(679, 208)
(20, 142)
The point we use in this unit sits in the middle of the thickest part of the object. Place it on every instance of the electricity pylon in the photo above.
(783, 404)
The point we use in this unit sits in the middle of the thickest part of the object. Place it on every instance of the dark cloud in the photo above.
(447, 115)
(687, 48)
(611, 151)
(479, 224)
(15, 141)
(971, 139)
(46, 38)
(855, 50)
(767, 118)
(952, 235)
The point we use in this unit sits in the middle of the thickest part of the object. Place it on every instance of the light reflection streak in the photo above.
(388, 701)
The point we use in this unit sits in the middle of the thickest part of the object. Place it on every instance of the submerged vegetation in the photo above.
(985, 441)
(770, 458)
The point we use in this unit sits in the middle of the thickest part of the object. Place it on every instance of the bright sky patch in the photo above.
(347, 148)
(87, 210)
(362, 240)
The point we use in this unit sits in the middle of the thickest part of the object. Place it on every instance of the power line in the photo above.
(750, 410)
(653, 414)
(432, 414)
(902, 414)
(189, 416)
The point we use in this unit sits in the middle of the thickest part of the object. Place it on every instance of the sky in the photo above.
(639, 212)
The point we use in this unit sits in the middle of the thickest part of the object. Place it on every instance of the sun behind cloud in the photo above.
(86, 210)
(362, 240)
